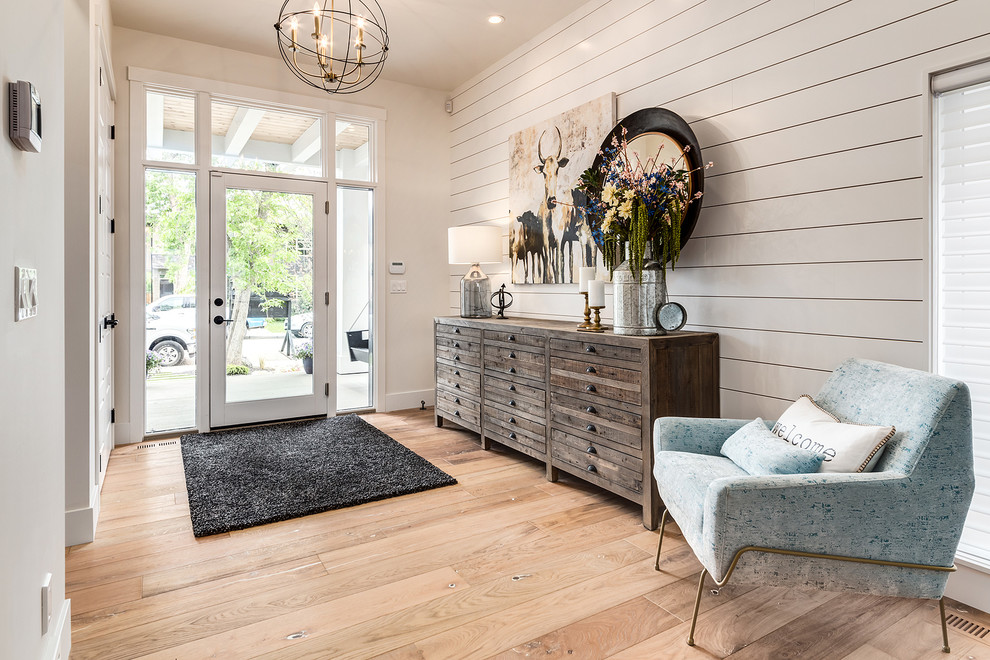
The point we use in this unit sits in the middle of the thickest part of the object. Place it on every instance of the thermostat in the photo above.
(397, 267)
(24, 113)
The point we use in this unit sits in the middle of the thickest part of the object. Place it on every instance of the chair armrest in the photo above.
(875, 515)
(697, 435)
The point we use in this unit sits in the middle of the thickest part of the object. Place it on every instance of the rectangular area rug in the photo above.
(246, 477)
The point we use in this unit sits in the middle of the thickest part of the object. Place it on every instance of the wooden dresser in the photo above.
(580, 402)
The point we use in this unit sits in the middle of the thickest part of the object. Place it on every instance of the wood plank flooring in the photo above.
(502, 565)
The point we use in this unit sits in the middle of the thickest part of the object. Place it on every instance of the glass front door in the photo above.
(270, 316)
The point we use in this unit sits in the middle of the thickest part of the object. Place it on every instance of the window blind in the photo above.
(962, 266)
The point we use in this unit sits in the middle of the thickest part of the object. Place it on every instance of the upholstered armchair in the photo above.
(893, 531)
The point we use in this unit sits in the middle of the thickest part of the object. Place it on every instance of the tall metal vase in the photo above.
(637, 301)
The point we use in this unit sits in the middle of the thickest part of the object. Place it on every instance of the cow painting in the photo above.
(549, 236)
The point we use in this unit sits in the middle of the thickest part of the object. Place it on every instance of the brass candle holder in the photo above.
(587, 313)
(596, 325)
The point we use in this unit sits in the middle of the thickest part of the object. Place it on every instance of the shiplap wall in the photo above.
(813, 242)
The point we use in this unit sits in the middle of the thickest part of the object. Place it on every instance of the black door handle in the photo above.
(218, 302)
(110, 322)
(219, 320)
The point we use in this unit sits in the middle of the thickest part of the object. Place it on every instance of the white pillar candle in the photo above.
(596, 293)
(587, 274)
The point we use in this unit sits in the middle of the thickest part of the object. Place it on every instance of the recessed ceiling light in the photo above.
(495, 19)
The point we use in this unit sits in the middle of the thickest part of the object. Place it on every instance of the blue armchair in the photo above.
(893, 531)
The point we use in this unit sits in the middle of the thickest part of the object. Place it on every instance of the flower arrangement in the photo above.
(636, 204)
(304, 351)
(151, 363)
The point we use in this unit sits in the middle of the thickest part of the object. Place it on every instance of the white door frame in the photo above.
(319, 402)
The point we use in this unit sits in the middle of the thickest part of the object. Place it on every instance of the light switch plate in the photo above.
(397, 286)
(25, 293)
(46, 603)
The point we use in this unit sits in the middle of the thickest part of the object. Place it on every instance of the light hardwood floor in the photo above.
(504, 564)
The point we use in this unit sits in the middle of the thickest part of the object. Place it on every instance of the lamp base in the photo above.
(476, 294)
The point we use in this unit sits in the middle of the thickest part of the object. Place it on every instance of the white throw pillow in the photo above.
(846, 447)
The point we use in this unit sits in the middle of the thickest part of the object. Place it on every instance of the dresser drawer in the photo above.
(597, 469)
(454, 331)
(532, 444)
(529, 408)
(515, 339)
(457, 398)
(460, 413)
(602, 380)
(504, 390)
(593, 448)
(462, 344)
(460, 379)
(525, 365)
(513, 421)
(458, 357)
(592, 419)
(596, 349)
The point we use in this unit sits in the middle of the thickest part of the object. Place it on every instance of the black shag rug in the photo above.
(246, 477)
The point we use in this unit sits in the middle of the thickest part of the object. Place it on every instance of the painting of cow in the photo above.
(549, 236)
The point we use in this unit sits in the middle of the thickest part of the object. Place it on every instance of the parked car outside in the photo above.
(171, 336)
(302, 324)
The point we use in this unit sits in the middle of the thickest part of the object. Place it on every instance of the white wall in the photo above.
(813, 241)
(32, 485)
(81, 57)
(416, 176)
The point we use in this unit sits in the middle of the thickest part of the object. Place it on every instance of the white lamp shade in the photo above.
(474, 245)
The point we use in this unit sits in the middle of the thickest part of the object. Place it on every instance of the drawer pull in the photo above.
(589, 349)
(592, 468)
(457, 386)
(512, 337)
(456, 372)
(512, 356)
(512, 420)
(457, 331)
(512, 402)
(590, 388)
(589, 427)
(512, 388)
(512, 370)
(592, 450)
(457, 344)
(457, 358)
(512, 436)
(457, 413)
(457, 399)
(591, 370)
(591, 409)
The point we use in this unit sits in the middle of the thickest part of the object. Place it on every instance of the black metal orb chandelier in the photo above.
(340, 50)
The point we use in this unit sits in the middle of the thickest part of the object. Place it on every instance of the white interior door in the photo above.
(270, 250)
(104, 277)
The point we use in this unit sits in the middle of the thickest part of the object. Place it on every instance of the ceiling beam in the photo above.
(241, 128)
(307, 144)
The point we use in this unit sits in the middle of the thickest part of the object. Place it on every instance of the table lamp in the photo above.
(475, 245)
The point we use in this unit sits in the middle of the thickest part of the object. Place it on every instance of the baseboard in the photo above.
(80, 524)
(60, 639)
(407, 400)
(969, 585)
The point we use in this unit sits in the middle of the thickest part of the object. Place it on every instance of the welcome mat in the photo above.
(246, 477)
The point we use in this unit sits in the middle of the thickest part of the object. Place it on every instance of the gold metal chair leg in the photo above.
(663, 523)
(697, 606)
(945, 631)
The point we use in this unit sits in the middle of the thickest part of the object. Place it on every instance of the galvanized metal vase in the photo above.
(637, 301)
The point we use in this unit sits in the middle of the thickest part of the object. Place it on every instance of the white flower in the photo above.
(625, 209)
(608, 193)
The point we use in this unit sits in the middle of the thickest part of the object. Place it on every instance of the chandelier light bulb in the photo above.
(316, 19)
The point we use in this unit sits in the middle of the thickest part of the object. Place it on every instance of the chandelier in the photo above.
(345, 51)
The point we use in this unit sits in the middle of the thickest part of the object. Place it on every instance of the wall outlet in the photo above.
(397, 286)
(46, 604)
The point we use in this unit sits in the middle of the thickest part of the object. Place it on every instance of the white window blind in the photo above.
(962, 265)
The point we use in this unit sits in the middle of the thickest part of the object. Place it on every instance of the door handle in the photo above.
(110, 322)
(220, 320)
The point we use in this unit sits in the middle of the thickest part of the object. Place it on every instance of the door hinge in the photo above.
(326, 207)
(113, 415)
(326, 389)
(113, 131)
(113, 225)
(326, 298)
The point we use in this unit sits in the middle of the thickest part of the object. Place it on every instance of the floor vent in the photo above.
(971, 628)
(151, 445)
